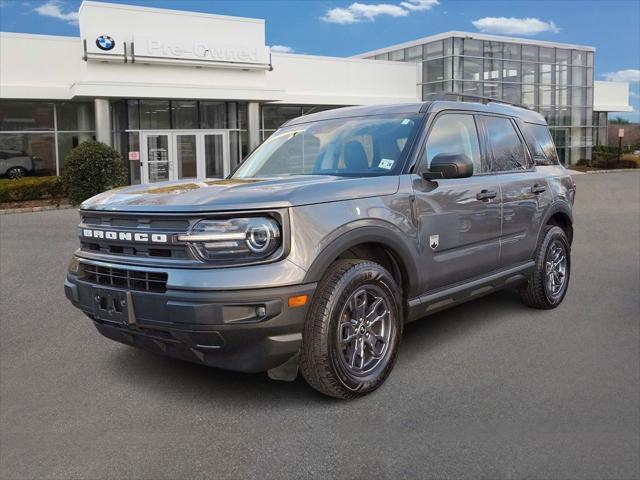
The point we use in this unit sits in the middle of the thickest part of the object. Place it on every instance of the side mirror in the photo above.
(449, 165)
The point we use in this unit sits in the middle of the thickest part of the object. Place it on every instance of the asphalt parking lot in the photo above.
(489, 389)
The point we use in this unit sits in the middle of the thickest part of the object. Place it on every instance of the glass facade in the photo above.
(130, 117)
(272, 115)
(557, 82)
(44, 131)
(600, 128)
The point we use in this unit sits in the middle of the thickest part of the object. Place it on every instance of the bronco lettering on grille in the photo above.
(125, 236)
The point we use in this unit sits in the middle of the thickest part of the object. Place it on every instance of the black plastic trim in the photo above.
(367, 234)
(449, 296)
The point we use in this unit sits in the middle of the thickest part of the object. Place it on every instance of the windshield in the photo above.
(360, 146)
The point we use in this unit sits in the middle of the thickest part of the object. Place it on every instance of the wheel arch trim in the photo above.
(556, 208)
(358, 235)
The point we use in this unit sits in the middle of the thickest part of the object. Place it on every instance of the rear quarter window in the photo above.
(544, 150)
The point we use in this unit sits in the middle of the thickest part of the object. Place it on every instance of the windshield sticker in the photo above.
(386, 163)
(405, 121)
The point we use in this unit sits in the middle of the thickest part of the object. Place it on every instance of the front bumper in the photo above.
(249, 330)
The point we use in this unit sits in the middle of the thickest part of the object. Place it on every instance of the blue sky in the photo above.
(343, 28)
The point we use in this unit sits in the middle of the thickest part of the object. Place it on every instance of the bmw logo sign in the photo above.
(105, 42)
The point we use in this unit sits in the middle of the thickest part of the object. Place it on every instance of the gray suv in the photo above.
(333, 234)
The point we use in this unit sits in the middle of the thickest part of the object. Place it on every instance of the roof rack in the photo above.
(484, 100)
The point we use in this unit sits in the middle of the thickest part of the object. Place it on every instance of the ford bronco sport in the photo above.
(335, 232)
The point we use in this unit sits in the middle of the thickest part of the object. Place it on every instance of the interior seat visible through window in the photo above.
(355, 158)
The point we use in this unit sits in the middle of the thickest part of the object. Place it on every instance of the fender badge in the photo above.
(434, 241)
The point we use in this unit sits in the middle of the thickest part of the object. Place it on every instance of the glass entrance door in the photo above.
(175, 155)
(186, 156)
(156, 158)
(216, 156)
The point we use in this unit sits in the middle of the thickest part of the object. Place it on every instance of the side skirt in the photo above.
(446, 297)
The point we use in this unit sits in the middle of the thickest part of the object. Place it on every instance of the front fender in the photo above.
(359, 232)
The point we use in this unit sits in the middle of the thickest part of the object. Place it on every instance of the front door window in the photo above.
(455, 134)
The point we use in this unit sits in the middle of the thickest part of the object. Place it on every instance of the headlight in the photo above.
(235, 238)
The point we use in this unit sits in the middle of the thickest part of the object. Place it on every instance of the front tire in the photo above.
(548, 283)
(16, 172)
(353, 329)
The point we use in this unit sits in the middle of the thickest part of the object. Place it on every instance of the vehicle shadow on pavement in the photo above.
(167, 377)
(460, 320)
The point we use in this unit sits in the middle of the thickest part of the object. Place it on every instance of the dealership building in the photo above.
(183, 94)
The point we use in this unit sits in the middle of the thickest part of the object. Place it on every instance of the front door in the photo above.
(459, 219)
(177, 155)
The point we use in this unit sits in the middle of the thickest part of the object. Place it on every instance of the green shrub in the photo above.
(91, 168)
(606, 157)
(30, 188)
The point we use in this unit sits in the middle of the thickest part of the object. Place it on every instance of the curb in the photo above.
(9, 211)
(613, 170)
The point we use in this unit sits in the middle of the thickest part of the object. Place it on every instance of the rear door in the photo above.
(458, 219)
(525, 191)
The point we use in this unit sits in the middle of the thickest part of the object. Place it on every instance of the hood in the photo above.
(240, 194)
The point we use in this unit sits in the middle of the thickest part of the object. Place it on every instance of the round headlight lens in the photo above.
(263, 235)
(258, 238)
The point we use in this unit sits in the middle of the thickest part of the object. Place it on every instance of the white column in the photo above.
(103, 120)
(253, 114)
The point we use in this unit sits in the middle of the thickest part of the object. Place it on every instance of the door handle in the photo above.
(486, 195)
(538, 189)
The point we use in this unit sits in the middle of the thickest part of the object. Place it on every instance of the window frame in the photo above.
(421, 163)
(514, 123)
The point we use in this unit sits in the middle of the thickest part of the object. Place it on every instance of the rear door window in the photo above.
(544, 150)
(508, 151)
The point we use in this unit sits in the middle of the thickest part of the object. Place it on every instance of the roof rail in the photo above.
(484, 100)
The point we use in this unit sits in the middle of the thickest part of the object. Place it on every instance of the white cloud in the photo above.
(416, 5)
(629, 75)
(514, 26)
(357, 12)
(281, 49)
(53, 8)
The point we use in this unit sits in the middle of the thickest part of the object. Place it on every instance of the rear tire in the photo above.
(548, 283)
(352, 331)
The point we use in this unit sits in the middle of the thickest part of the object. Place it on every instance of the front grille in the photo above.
(108, 219)
(178, 252)
(125, 279)
(135, 223)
